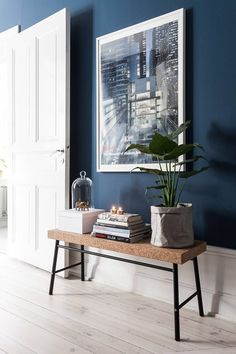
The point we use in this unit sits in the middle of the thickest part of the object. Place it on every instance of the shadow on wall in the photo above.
(132, 195)
(220, 219)
(220, 228)
(81, 92)
(138, 202)
(223, 141)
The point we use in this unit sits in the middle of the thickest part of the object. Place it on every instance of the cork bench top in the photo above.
(141, 249)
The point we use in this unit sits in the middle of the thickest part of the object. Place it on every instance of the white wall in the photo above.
(217, 272)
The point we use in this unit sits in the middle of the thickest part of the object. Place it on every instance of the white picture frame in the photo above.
(140, 76)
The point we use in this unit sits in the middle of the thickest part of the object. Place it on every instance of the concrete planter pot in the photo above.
(172, 226)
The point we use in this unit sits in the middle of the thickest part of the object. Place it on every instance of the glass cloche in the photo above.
(81, 192)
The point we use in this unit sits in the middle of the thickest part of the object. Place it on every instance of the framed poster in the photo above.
(140, 89)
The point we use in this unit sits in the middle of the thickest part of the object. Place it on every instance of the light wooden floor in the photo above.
(91, 318)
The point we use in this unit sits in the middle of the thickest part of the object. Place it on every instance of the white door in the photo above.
(5, 110)
(39, 178)
(6, 38)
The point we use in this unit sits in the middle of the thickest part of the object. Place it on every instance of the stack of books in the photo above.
(128, 228)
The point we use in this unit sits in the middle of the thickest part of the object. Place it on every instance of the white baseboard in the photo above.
(217, 272)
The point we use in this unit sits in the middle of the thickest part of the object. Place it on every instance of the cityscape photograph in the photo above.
(138, 92)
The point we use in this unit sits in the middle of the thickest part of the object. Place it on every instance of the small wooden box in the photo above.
(72, 220)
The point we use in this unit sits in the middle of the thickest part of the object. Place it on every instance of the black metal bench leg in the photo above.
(82, 264)
(176, 301)
(54, 264)
(198, 287)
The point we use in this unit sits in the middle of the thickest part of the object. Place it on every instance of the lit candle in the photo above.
(113, 210)
(120, 211)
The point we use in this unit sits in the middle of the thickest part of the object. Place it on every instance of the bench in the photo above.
(142, 249)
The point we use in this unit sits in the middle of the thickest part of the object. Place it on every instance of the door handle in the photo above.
(59, 155)
(58, 152)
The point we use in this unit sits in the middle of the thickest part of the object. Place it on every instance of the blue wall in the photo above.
(210, 101)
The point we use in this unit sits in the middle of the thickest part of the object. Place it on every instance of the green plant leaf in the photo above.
(141, 148)
(188, 174)
(152, 171)
(161, 145)
(179, 130)
(180, 150)
(195, 158)
(157, 187)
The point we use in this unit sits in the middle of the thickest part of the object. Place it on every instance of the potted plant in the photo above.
(171, 221)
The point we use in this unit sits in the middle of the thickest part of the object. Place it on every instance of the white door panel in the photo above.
(6, 60)
(47, 58)
(39, 183)
(22, 215)
(4, 98)
(23, 98)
